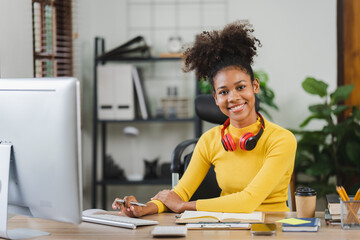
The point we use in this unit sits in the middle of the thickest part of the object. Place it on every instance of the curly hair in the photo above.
(217, 49)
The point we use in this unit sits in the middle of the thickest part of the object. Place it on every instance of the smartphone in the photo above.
(263, 229)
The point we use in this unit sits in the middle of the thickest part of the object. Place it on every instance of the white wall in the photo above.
(16, 49)
(299, 40)
(298, 37)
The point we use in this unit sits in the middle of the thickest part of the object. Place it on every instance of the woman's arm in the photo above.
(174, 202)
(130, 210)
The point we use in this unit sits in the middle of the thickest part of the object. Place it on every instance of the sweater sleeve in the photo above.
(279, 158)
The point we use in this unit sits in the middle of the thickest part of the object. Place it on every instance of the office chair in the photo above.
(207, 110)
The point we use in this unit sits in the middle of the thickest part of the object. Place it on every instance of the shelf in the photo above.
(157, 181)
(149, 120)
(101, 58)
(138, 59)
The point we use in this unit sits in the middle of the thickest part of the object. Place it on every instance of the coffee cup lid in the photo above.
(305, 191)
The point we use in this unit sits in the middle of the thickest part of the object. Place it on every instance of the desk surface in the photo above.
(95, 231)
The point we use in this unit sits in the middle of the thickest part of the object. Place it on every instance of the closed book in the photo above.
(312, 226)
(208, 217)
(333, 201)
(332, 217)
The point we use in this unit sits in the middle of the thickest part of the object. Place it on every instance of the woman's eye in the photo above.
(241, 87)
(222, 92)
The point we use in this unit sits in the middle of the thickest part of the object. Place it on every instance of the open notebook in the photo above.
(202, 216)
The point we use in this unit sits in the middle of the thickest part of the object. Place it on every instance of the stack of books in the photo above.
(333, 212)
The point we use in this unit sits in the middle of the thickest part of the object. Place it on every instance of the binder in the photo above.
(115, 92)
(106, 94)
(140, 94)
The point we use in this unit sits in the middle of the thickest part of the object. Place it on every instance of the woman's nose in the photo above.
(233, 95)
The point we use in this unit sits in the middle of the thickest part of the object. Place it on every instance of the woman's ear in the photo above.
(214, 95)
(256, 86)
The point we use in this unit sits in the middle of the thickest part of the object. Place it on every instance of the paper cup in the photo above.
(305, 200)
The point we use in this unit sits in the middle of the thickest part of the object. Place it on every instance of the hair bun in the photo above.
(234, 44)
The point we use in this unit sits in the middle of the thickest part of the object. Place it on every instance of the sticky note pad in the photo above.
(293, 221)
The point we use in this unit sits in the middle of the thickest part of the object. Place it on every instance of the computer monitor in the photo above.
(40, 132)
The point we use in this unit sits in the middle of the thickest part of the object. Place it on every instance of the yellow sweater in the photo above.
(250, 181)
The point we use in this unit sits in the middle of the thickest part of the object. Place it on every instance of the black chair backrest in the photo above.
(209, 187)
(207, 110)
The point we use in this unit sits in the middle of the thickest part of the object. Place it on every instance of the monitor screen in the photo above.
(40, 119)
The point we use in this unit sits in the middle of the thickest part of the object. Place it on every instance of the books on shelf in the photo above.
(311, 225)
(203, 216)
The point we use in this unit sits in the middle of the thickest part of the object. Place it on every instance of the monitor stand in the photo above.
(6, 154)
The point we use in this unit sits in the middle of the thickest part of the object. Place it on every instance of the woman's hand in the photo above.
(130, 210)
(173, 201)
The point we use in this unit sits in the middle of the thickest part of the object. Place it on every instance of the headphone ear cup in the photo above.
(228, 142)
(251, 143)
(243, 142)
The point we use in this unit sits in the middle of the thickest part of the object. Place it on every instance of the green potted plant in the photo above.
(266, 94)
(329, 156)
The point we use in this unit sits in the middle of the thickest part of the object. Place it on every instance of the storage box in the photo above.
(175, 107)
(350, 214)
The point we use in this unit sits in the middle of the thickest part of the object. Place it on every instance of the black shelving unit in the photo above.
(100, 49)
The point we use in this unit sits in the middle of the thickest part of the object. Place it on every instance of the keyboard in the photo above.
(103, 217)
(169, 231)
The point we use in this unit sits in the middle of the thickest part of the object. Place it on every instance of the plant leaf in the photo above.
(262, 76)
(356, 113)
(352, 151)
(205, 86)
(315, 87)
(319, 168)
(307, 120)
(323, 188)
(315, 138)
(320, 110)
(341, 93)
(340, 109)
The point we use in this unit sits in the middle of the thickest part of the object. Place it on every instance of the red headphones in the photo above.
(247, 141)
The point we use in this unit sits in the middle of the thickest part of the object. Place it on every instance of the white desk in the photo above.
(94, 231)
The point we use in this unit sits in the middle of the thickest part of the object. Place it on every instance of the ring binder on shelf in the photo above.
(115, 92)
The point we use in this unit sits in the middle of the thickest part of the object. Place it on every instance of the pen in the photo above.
(132, 203)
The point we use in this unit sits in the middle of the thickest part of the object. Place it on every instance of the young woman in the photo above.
(253, 158)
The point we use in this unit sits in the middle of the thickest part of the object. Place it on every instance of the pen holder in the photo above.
(350, 214)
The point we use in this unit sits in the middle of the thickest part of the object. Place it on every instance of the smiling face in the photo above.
(235, 95)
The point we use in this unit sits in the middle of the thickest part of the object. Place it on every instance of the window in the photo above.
(52, 36)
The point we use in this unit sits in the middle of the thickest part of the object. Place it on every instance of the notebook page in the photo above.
(243, 216)
(200, 214)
